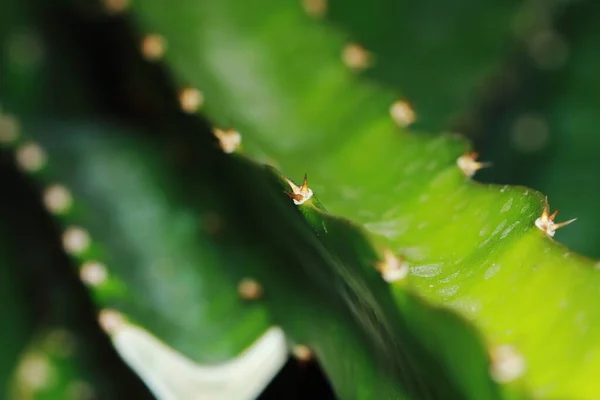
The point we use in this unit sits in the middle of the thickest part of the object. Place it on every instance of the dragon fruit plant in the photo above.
(194, 191)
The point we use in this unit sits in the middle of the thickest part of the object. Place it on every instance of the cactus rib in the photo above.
(472, 248)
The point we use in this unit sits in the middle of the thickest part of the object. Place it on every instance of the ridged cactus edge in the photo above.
(485, 272)
(433, 269)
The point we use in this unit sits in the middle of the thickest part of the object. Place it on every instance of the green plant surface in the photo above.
(76, 154)
(275, 75)
(408, 40)
(356, 257)
(548, 142)
(167, 241)
(393, 353)
(140, 228)
(121, 212)
(476, 40)
(115, 189)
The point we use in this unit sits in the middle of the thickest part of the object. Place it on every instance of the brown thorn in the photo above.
(561, 224)
(296, 196)
(292, 185)
(304, 187)
(546, 210)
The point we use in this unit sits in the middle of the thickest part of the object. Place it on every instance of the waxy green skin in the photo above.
(297, 273)
(153, 243)
(275, 75)
(472, 248)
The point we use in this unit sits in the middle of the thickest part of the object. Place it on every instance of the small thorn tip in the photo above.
(229, 140)
(356, 57)
(93, 273)
(300, 194)
(302, 353)
(402, 113)
(392, 268)
(304, 189)
(9, 129)
(293, 185)
(249, 289)
(75, 240)
(57, 199)
(110, 320)
(507, 364)
(546, 221)
(315, 8)
(115, 6)
(469, 165)
(153, 47)
(561, 224)
(31, 157)
(190, 100)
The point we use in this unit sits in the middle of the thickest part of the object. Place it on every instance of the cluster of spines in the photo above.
(506, 363)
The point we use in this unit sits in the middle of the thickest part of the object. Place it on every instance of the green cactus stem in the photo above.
(475, 249)
(402, 276)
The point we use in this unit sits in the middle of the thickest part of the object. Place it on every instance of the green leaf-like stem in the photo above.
(277, 77)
